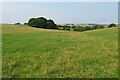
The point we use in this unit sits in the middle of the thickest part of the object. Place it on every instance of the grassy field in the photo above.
(31, 52)
(0, 51)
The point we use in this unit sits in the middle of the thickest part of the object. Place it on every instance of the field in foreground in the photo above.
(30, 52)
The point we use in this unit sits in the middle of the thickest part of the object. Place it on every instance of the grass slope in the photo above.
(31, 52)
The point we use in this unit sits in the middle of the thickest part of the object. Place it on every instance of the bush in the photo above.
(60, 27)
(99, 26)
(92, 27)
(112, 25)
(73, 26)
(79, 28)
(87, 27)
(25, 23)
(17, 23)
(66, 27)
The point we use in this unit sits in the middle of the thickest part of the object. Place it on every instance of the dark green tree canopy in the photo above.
(17, 23)
(42, 22)
(51, 24)
(112, 25)
(31, 22)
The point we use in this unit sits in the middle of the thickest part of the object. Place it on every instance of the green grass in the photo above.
(0, 51)
(31, 52)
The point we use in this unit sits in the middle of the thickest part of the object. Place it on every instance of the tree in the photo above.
(38, 22)
(42, 22)
(112, 25)
(51, 24)
(31, 22)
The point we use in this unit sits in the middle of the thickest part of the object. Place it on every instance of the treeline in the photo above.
(42, 22)
(83, 28)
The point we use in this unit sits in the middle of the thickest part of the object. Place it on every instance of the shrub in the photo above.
(73, 26)
(66, 27)
(79, 28)
(92, 27)
(17, 23)
(60, 27)
(99, 26)
(87, 27)
(112, 25)
(25, 23)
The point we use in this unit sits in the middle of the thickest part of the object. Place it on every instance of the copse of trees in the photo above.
(42, 22)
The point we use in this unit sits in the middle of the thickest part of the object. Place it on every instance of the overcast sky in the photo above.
(61, 12)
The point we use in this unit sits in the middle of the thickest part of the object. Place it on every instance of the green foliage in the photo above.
(31, 22)
(17, 23)
(92, 27)
(42, 22)
(25, 23)
(60, 27)
(99, 27)
(51, 24)
(80, 28)
(66, 27)
(112, 25)
(87, 27)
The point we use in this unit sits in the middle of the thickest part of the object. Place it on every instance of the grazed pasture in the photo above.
(32, 52)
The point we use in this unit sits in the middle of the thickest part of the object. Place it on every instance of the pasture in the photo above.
(41, 53)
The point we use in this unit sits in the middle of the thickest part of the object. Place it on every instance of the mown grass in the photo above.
(31, 52)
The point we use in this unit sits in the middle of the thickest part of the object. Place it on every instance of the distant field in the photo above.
(31, 52)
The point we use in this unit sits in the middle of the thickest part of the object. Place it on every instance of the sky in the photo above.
(59, 0)
(61, 12)
(119, 13)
